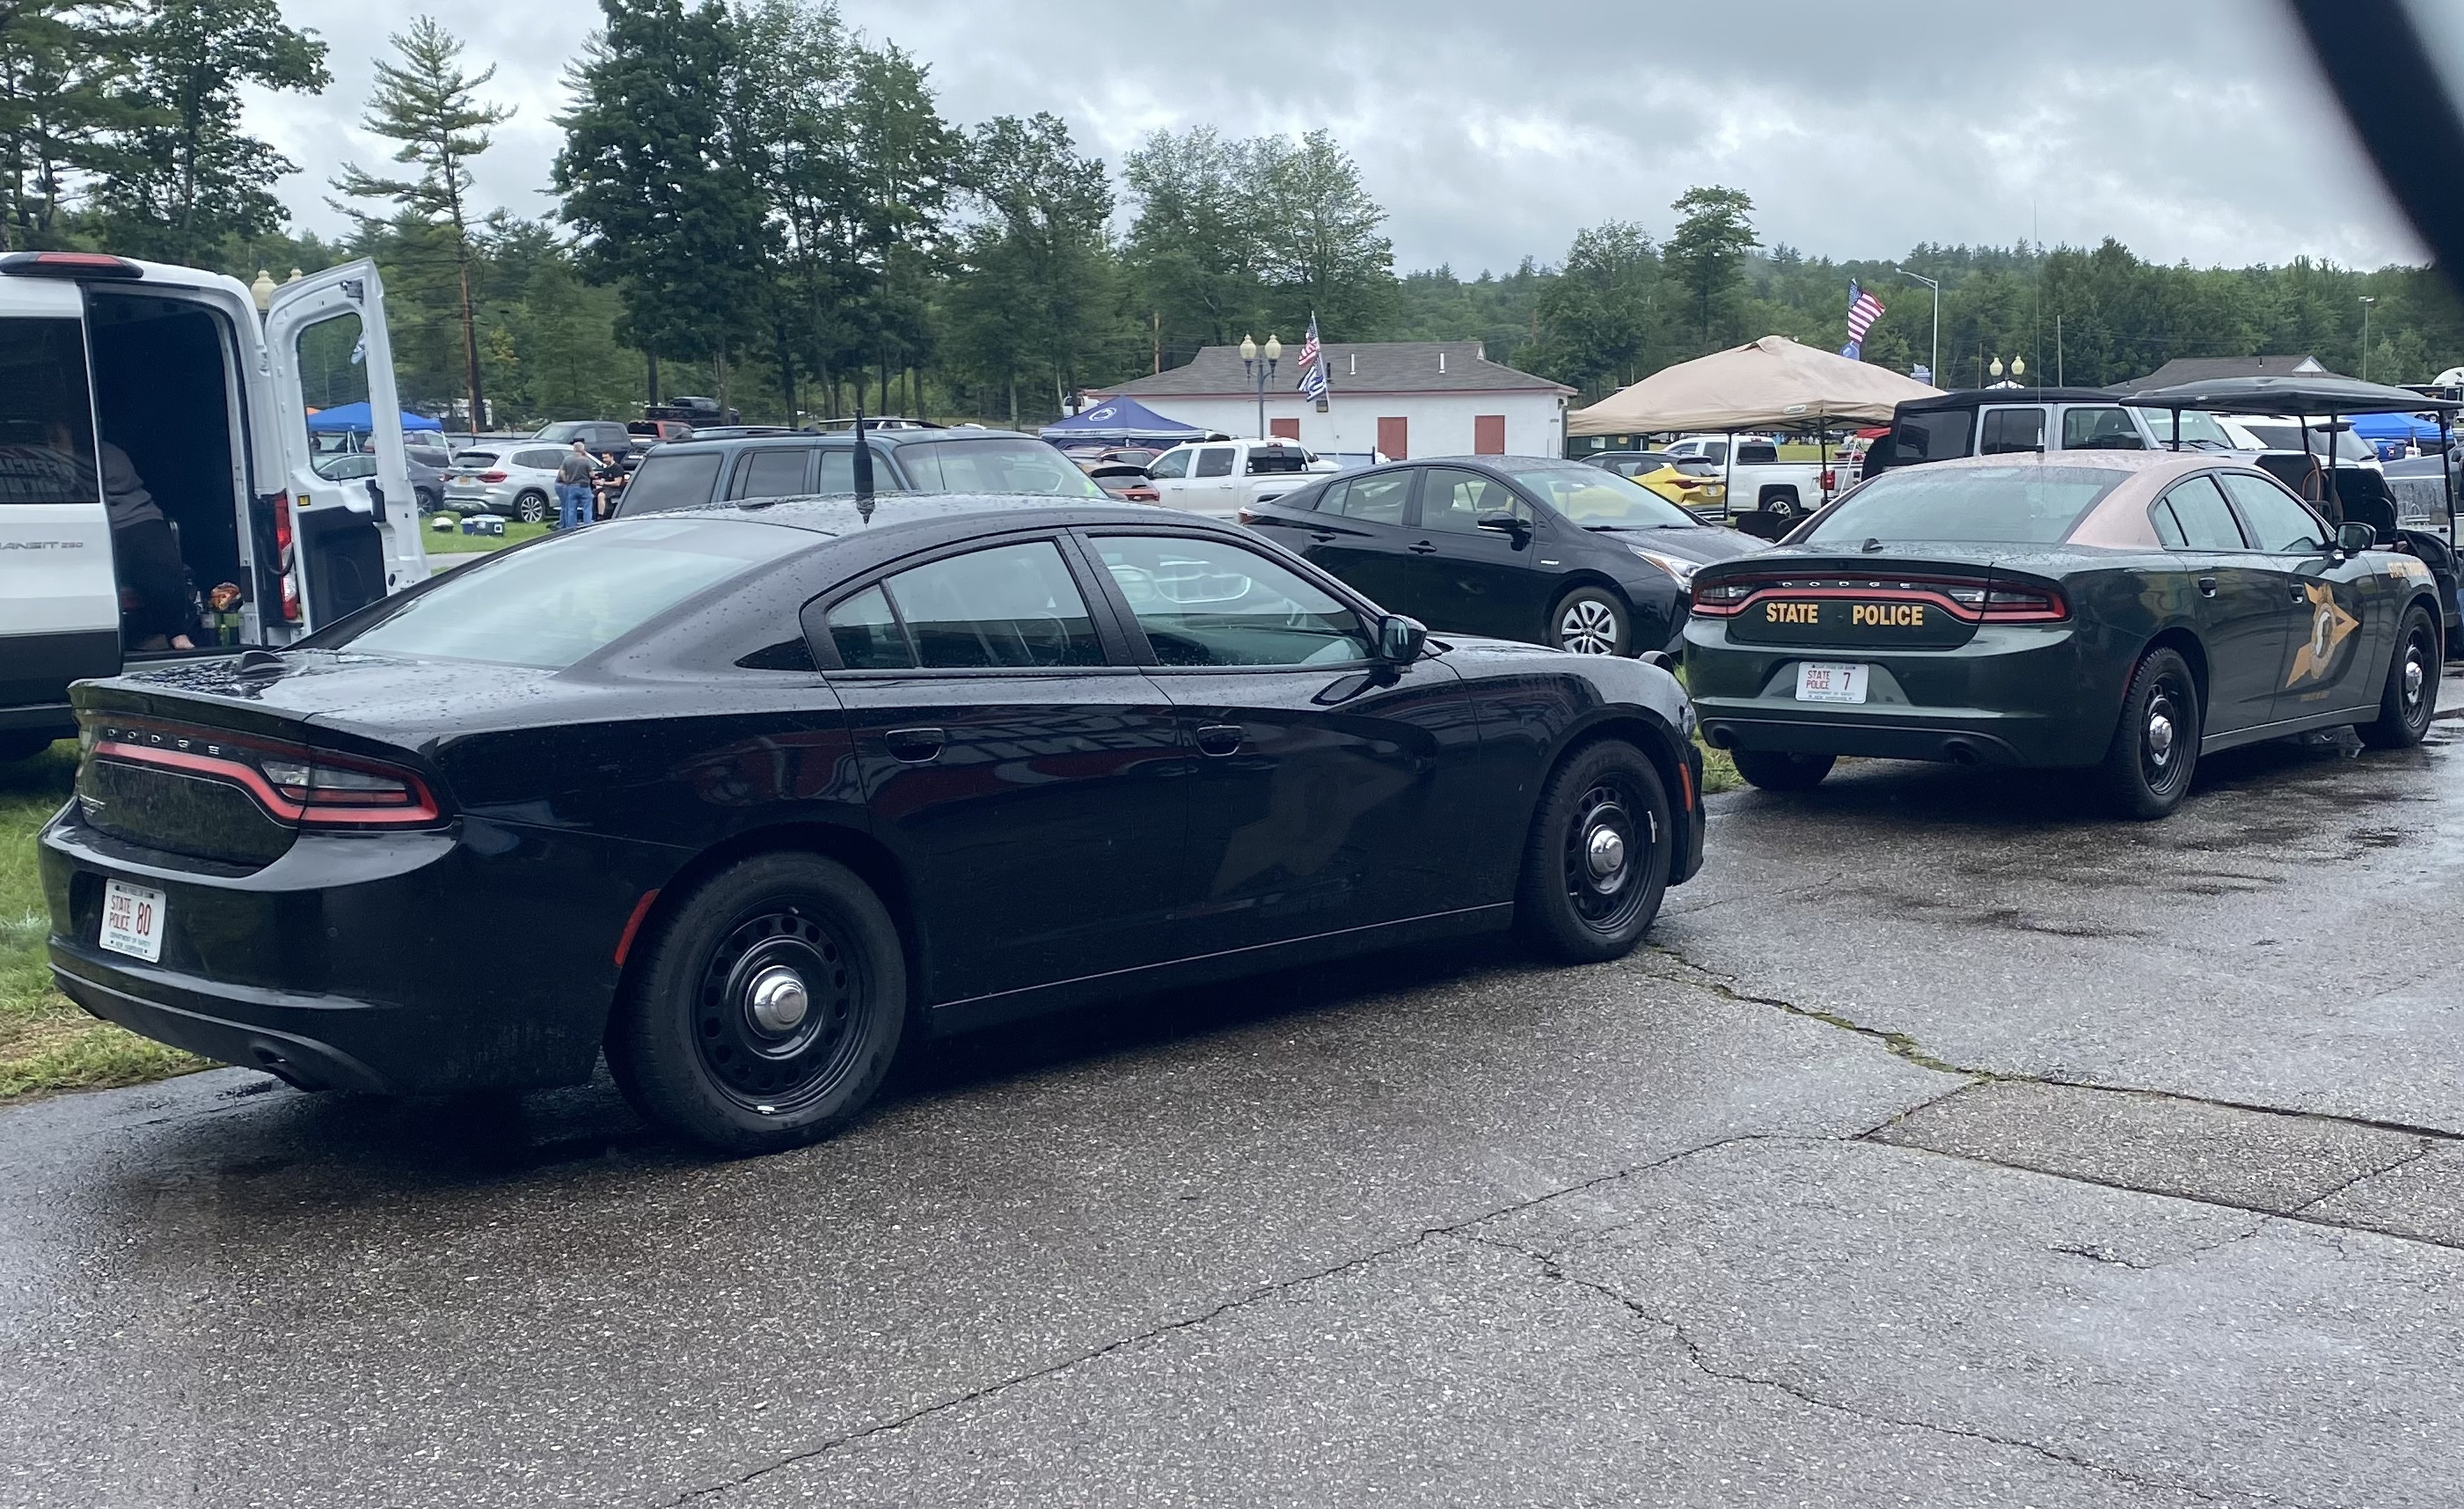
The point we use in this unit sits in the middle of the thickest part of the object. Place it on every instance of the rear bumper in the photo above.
(2012, 696)
(477, 958)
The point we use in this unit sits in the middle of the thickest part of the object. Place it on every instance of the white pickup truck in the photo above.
(1216, 477)
(1758, 480)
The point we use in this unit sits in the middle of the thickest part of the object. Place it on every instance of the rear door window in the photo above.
(46, 415)
(2100, 429)
(2007, 431)
(775, 472)
(1375, 499)
(2205, 523)
(1013, 607)
(1935, 435)
(1214, 461)
(541, 461)
(667, 481)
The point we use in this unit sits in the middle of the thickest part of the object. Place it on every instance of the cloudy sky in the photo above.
(2189, 129)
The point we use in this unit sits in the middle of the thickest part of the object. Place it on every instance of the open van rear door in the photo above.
(352, 542)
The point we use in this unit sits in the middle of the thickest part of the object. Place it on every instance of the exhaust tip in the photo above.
(1719, 737)
(1962, 752)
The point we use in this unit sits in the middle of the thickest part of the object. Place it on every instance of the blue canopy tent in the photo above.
(1121, 421)
(2391, 431)
(343, 418)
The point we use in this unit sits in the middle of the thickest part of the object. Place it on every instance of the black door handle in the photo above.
(1321, 536)
(1219, 738)
(1425, 548)
(915, 745)
(2207, 587)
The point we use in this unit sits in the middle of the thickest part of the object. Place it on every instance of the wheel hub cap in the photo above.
(2160, 735)
(1605, 852)
(2412, 678)
(778, 1000)
(1588, 628)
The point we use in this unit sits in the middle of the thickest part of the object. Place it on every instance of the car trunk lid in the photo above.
(1884, 600)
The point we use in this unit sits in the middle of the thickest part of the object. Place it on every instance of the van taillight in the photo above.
(282, 558)
(69, 264)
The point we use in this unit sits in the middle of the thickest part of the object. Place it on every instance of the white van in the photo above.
(208, 401)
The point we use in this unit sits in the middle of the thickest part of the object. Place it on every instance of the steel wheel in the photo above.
(2161, 735)
(1588, 625)
(2410, 698)
(777, 1020)
(1606, 848)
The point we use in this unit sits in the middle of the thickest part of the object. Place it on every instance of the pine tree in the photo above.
(428, 104)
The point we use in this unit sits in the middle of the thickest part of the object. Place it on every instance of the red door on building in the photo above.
(1395, 438)
(1284, 429)
(1488, 434)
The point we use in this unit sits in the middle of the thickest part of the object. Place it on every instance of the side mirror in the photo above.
(1508, 524)
(2355, 537)
(1400, 640)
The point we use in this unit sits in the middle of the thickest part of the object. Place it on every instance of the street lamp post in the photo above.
(1260, 371)
(1934, 368)
(2366, 302)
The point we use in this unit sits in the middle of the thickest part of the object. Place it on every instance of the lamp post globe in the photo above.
(1995, 367)
(1275, 350)
(1248, 350)
(2018, 368)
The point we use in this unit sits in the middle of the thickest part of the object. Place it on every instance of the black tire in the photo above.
(430, 500)
(1772, 770)
(1781, 504)
(2156, 748)
(2410, 698)
(1596, 862)
(1591, 620)
(685, 1041)
(530, 508)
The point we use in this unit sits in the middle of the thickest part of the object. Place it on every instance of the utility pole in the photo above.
(1933, 362)
(2366, 302)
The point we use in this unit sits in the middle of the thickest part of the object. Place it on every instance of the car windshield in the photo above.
(553, 604)
(570, 430)
(1593, 497)
(2027, 505)
(993, 466)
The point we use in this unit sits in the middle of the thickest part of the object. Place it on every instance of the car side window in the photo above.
(1457, 501)
(1214, 461)
(2168, 529)
(866, 634)
(541, 461)
(1172, 463)
(773, 473)
(1013, 607)
(2272, 519)
(2207, 524)
(1375, 499)
(2007, 431)
(1214, 603)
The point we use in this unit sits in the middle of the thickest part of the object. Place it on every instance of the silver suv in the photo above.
(517, 481)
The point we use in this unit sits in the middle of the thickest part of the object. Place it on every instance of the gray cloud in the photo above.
(2189, 129)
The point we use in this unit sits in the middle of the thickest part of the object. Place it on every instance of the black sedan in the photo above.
(768, 783)
(1514, 546)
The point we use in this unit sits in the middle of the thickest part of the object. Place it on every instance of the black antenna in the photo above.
(862, 468)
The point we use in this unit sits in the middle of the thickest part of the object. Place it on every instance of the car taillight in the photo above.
(1721, 599)
(491, 477)
(2024, 605)
(312, 789)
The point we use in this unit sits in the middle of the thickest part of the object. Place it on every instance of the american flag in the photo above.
(1864, 309)
(1312, 365)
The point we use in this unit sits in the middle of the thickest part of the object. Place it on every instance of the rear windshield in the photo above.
(670, 480)
(1933, 435)
(993, 466)
(554, 603)
(1992, 505)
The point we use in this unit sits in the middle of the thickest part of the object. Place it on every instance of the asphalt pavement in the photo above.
(1952, 1145)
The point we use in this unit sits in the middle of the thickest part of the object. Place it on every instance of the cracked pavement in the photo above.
(1951, 1146)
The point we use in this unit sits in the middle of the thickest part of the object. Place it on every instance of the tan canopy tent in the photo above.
(1770, 384)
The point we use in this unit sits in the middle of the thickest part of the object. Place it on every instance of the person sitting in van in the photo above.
(153, 579)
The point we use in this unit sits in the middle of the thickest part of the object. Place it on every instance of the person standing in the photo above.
(572, 489)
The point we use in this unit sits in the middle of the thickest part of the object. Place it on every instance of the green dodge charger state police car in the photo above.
(2127, 610)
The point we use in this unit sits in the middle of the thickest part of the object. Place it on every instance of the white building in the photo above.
(1405, 399)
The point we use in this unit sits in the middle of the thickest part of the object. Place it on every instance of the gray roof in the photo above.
(1372, 366)
(2207, 368)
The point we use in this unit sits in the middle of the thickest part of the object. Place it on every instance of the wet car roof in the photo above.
(842, 515)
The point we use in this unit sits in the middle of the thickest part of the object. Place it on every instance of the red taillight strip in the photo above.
(2055, 611)
(421, 813)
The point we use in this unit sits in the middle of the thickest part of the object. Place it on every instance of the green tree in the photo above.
(1196, 249)
(1707, 257)
(1322, 251)
(433, 107)
(656, 185)
(182, 177)
(60, 64)
(1039, 287)
(1596, 315)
